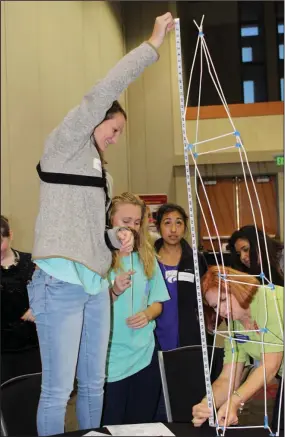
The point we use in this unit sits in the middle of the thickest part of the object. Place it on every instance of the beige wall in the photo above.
(150, 105)
(52, 53)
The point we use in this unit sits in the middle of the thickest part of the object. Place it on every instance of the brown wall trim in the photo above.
(236, 110)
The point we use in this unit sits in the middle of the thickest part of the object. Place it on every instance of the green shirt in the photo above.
(131, 350)
(245, 349)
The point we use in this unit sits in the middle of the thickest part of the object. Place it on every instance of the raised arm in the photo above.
(79, 123)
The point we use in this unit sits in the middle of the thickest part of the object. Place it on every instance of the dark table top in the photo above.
(188, 430)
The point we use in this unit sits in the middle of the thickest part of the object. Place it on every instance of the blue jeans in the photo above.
(73, 329)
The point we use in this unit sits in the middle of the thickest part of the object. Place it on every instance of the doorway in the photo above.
(229, 198)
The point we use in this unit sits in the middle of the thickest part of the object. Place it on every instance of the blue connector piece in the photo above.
(262, 275)
(233, 350)
(238, 145)
(222, 275)
(271, 286)
(266, 422)
(195, 155)
(236, 133)
(263, 330)
(201, 34)
(189, 147)
(220, 428)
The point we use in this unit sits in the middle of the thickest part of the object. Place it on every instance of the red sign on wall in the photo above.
(154, 199)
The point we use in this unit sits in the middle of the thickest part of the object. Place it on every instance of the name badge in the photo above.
(240, 338)
(97, 164)
(186, 276)
(171, 276)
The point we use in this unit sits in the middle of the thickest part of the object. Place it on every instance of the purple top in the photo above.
(167, 323)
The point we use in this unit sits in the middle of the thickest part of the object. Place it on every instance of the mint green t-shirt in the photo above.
(73, 273)
(131, 350)
(244, 349)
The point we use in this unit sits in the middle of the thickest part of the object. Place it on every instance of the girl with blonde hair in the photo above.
(251, 310)
(137, 289)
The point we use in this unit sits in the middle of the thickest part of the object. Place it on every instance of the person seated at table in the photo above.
(19, 341)
(243, 304)
(245, 256)
(137, 289)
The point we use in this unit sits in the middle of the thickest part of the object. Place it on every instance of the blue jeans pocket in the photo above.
(36, 292)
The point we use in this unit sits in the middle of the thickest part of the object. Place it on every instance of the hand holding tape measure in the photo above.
(163, 24)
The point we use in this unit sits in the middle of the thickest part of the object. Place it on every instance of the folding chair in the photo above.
(4, 431)
(19, 403)
(183, 380)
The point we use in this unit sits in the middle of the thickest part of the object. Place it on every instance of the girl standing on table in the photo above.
(248, 312)
(72, 250)
(137, 289)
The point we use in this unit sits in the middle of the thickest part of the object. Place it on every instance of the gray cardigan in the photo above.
(71, 219)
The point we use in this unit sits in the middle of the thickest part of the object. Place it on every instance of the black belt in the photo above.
(70, 179)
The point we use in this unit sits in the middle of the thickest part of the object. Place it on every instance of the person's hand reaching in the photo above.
(200, 413)
(126, 237)
(28, 316)
(163, 25)
(232, 416)
(137, 321)
(122, 282)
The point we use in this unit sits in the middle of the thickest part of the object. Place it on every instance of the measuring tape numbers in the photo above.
(192, 225)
